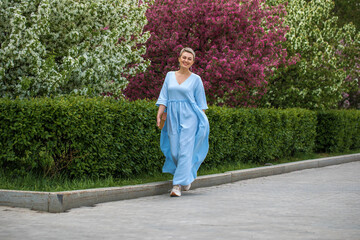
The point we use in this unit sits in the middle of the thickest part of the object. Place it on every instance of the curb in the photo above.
(57, 202)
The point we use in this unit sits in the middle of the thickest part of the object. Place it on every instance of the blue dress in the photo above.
(184, 138)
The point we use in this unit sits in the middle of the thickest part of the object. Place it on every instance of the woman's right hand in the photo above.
(158, 119)
(159, 114)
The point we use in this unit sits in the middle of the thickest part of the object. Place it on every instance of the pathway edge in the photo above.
(57, 202)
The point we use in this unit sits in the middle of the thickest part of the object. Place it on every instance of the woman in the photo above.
(184, 137)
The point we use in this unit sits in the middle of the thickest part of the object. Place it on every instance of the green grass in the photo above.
(33, 182)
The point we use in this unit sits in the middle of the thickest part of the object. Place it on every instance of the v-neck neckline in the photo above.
(183, 81)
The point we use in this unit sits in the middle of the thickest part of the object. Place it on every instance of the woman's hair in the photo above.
(189, 50)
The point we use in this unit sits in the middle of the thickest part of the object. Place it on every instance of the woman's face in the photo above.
(186, 60)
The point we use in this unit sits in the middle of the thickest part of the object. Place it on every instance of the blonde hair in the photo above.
(189, 50)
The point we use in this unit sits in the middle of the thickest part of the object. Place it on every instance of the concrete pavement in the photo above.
(319, 203)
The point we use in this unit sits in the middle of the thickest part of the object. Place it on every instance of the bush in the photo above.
(78, 136)
(338, 130)
(258, 135)
(98, 137)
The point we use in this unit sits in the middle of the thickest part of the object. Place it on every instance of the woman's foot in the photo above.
(187, 187)
(176, 191)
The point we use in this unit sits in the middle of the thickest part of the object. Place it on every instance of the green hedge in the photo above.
(338, 130)
(78, 136)
(258, 135)
(98, 137)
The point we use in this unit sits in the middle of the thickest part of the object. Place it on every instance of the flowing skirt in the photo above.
(184, 140)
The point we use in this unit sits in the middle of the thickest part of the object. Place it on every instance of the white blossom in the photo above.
(58, 47)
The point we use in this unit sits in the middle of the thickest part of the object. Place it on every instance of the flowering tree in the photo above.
(237, 45)
(329, 64)
(70, 46)
(349, 58)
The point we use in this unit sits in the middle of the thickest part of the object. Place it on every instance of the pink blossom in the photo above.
(234, 54)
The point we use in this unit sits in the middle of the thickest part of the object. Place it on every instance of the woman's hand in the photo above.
(159, 114)
(158, 119)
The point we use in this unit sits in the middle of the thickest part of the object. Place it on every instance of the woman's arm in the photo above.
(160, 112)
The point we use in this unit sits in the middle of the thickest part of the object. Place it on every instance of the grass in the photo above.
(33, 182)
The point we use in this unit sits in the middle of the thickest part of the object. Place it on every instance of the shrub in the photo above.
(258, 135)
(338, 130)
(50, 48)
(100, 137)
(78, 136)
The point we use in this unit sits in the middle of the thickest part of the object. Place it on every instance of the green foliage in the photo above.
(78, 136)
(102, 137)
(348, 11)
(258, 135)
(50, 48)
(329, 58)
(338, 130)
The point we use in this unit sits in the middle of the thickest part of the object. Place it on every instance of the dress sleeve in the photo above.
(200, 97)
(163, 97)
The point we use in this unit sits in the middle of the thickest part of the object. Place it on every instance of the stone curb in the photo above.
(56, 202)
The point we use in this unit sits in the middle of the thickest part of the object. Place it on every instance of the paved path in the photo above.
(321, 203)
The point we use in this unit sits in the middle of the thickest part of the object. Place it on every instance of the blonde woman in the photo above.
(184, 137)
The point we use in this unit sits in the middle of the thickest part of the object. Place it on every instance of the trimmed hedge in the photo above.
(338, 130)
(258, 135)
(79, 136)
(98, 137)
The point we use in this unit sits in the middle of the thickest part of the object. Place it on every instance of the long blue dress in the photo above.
(184, 138)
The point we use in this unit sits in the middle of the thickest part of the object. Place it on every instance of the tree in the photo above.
(329, 64)
(237, 45)
(58, 47)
